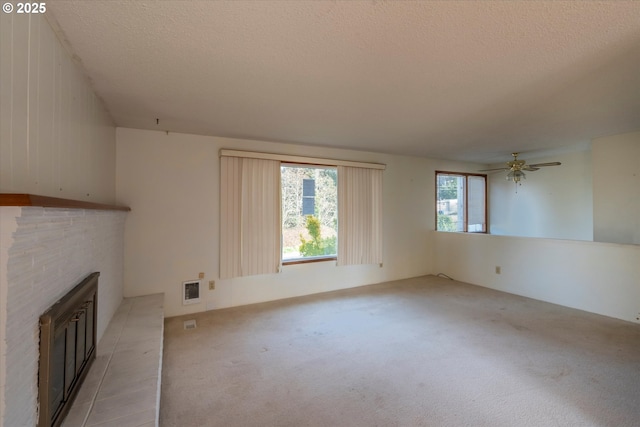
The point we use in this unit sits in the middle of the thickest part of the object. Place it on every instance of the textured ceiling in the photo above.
(455, 80)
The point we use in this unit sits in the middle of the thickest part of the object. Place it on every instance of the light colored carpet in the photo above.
(418, 352)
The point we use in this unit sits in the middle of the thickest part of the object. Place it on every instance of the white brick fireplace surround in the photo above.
(44, 253)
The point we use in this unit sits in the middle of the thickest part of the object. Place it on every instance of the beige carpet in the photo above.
(417, 352)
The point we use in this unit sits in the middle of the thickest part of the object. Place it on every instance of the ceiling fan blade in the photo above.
(494, 170)
(530, 169)
(538, 165)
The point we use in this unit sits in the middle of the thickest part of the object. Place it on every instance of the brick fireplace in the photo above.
(44, 253)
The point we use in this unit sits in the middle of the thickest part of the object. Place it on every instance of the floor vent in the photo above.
(190, 324)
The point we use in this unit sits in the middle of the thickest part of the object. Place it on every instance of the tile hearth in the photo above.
(123, 385)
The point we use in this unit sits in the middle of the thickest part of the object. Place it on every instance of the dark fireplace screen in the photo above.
(67, 349)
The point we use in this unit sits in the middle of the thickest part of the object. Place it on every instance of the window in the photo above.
(309, 212)
(281, 209)
(461, 202)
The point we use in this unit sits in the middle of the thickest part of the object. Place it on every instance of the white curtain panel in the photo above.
(359, 216)
(249, 217)
(230, 217)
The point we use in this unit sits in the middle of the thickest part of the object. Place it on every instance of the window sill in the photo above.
(309, 260)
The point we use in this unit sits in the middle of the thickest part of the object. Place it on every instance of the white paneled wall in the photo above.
(45, 253)
(56, 139)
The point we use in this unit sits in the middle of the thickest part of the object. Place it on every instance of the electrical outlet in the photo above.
(212, 285)
(190, 324)
(498, 269)
(201, 276)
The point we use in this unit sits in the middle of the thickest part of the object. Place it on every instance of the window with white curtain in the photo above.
(257, 205)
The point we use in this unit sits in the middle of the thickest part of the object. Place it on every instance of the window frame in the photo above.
(304, 260)
(466, 176)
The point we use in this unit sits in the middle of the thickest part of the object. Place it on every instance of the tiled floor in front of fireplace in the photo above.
(122, 387)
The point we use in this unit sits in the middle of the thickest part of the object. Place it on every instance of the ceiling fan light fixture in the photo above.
(516, 168)
(516, 176)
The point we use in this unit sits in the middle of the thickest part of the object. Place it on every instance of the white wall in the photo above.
(564, 202)
(171, 182)
(56, 139)
(553, 202)
(616, 188)
(597, 277)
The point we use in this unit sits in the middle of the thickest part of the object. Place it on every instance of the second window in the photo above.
(461, 202)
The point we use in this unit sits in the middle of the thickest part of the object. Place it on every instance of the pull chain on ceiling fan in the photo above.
(516, 168)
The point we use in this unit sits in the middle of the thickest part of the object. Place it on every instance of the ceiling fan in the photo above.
(516, 168)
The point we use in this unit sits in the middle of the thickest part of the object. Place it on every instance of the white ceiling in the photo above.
(454, 80)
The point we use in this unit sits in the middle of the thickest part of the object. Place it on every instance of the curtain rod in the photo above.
(299, 159)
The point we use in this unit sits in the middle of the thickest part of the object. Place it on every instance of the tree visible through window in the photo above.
(461, 202)
(309, 212)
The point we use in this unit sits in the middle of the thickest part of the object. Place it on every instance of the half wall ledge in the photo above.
(11, 199)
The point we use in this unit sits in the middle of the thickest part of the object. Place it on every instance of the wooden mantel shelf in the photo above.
(10, 199)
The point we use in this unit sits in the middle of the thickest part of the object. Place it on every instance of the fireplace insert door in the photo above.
(57, 371)
(67, 348)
